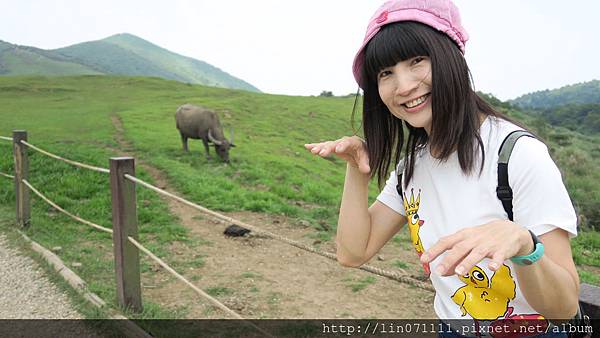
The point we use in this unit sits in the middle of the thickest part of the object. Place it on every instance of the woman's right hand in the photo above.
(351, 149)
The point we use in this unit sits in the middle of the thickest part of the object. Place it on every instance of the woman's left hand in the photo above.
(498, 240)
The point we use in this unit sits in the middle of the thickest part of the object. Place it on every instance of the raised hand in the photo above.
(351, 149)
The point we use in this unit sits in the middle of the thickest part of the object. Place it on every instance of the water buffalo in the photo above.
(201, 123)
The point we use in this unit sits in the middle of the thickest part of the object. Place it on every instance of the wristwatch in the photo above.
(538, 252)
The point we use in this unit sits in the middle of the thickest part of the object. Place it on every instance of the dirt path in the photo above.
(26, 293)
(263, 278)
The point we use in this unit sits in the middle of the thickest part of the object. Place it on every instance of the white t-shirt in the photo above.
(440, 200)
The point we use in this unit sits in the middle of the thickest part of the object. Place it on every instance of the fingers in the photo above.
(322, 148)
(351, 149)
(473, 258)
(444, 244)
(497, 260)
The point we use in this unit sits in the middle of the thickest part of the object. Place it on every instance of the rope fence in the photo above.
(6, 175)
(122, 227)
(9, 139)
(77, 164)
(149, 254)
(389, 274)
(139, 246)
(55, 206)
(185, 281)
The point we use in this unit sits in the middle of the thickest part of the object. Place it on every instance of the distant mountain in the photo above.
(580, 93)
(121, 54)
(576, 107)
(23, 60)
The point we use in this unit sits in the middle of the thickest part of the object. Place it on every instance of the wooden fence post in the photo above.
(124, 220)
(23, 204)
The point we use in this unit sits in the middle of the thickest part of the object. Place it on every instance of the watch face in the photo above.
(527, 261)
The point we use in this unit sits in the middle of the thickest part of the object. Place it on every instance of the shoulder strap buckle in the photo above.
(504, 193)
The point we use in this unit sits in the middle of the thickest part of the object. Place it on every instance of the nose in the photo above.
(405, 84)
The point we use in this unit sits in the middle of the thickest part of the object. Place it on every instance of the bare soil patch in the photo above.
(259, 277)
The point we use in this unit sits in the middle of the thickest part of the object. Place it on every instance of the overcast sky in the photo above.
(305, 47)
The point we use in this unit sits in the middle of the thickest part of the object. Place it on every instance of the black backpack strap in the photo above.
(399, 174)
(503, 190)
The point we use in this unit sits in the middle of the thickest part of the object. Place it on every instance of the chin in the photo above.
(418, 123)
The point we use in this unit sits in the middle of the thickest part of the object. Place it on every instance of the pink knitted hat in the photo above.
(440, 14)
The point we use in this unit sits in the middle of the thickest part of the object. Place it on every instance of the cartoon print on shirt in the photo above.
(511, 324)
(414, 224)
(485, 298)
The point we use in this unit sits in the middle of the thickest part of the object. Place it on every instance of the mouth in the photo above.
(416, 102)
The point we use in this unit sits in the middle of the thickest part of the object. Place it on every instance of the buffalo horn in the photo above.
(213, 140)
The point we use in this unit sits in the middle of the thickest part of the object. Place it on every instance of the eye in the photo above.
(414, 218)
(383, 73)
(416, 60)
(478, 275)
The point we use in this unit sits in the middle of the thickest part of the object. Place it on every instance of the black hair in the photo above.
(455, 105)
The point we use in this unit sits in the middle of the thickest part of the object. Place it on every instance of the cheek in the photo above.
(385, 94)
(427, 80)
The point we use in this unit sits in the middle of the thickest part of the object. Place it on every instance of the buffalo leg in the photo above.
(205, 141)
(184, 140)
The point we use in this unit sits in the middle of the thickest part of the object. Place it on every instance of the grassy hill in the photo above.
(579, 93)
(270, 170)
(121, 54)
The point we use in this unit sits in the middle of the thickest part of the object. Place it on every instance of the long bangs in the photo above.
(392, 44)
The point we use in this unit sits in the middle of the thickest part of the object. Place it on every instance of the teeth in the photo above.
(416, 101)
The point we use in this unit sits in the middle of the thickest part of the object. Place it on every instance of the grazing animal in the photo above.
(201, 123)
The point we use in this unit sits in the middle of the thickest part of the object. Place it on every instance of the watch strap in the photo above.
(538, 252)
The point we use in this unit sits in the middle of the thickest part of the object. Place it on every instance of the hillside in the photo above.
(121, 54)
(23, 60)
(576, 107)
(580, 93)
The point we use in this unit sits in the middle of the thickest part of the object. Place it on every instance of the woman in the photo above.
(412, 70)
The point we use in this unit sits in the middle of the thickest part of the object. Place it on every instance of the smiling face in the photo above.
(405, 89)
(417, 60)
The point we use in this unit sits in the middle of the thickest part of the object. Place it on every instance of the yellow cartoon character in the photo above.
(485, 299)
(414, 223)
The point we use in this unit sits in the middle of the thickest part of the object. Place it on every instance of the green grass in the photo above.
(250, 274)
(219, 291)
(360, 284)
(270, 169)
(586, 249)
(400, 264)
(589, 277)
